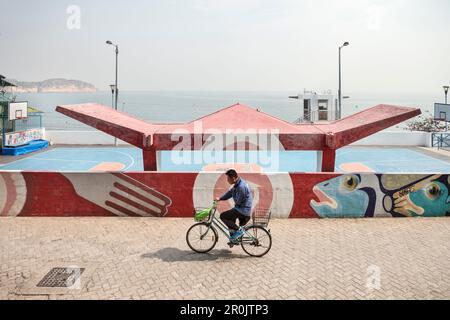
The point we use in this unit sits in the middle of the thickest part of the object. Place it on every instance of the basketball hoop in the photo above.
(23, 120)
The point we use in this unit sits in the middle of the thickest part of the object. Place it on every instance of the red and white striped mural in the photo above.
(160, 194)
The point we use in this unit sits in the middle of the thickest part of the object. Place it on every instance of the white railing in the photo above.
(318, 115)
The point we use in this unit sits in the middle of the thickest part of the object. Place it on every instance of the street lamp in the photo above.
(446, 91)
(340, 90)
(115, 88)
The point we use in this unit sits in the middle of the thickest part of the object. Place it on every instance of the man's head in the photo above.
(232, 176)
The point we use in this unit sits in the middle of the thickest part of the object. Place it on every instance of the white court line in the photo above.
(352, 151)
(28, 158)
(422, 157)
(12, 162)
(422, 160)
(65, 160)
(114, 151)
(50, 159)
(129, 156)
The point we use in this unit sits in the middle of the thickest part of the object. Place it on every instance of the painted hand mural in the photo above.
(426, 197)
(121, 195)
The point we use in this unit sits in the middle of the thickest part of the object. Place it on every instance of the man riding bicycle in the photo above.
(242, 196)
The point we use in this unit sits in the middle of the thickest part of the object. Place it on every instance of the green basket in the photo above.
(201, 214)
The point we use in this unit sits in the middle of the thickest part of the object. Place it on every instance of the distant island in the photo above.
(52, 85)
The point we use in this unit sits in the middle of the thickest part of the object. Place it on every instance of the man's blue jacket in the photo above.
(242, 197)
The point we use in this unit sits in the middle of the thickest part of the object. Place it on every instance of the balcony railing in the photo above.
(318, 115)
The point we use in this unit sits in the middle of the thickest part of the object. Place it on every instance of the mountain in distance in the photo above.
(52, 85)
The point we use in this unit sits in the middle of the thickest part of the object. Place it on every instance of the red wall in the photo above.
(176, 194)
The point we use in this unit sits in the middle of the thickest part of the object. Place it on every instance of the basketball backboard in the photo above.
(17, 110)
(442, 112)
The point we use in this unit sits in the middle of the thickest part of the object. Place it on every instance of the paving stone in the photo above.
(136, 258)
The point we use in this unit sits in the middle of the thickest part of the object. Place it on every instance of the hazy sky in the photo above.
(398, 46)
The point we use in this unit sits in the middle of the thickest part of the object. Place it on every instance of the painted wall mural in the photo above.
(368, 195)
(120, 194)
(13, 194)
(158, 194)
(270, 191)
(23, 137)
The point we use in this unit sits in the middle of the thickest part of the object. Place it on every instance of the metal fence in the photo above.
(441, 140)
(32, 122)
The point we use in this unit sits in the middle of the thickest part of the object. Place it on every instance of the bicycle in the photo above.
(202, 237)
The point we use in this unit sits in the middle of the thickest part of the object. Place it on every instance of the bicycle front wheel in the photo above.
(256, 241)
(200, 239)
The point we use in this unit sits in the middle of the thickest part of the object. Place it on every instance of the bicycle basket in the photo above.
(261, 217)
(201, 214)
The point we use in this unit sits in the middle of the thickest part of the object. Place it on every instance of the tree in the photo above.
(426, 123)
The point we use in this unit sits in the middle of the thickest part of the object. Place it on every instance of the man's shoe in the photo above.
(231, 244)
(237, 234)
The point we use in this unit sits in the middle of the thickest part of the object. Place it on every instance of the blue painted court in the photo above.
(80, 159)
(348, 159)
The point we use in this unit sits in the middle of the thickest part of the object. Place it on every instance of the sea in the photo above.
(184, 106)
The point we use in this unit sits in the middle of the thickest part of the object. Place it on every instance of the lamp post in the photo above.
(445, 91)
(113, 91)
(116, 89)
(340, 89)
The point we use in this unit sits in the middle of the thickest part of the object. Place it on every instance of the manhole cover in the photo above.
(61, 277)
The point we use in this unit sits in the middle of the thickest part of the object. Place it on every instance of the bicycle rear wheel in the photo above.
(256, 241)
(200, 239)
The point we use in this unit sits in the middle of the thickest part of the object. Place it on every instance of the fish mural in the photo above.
(350, 195)
(370, 195)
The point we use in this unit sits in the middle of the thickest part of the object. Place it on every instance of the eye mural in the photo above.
(369, 195)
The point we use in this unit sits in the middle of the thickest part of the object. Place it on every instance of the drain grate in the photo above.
(61, 277)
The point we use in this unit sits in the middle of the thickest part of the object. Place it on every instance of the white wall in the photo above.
(396, 138)
(383, 138)
(80, 137)
(314, 100)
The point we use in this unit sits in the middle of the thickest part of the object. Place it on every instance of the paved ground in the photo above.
(147, 258)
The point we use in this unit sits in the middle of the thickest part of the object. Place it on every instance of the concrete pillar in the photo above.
(150, 159)
(328, 160)
(319, 161)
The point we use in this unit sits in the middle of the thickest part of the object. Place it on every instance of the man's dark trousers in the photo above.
(229, 218)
